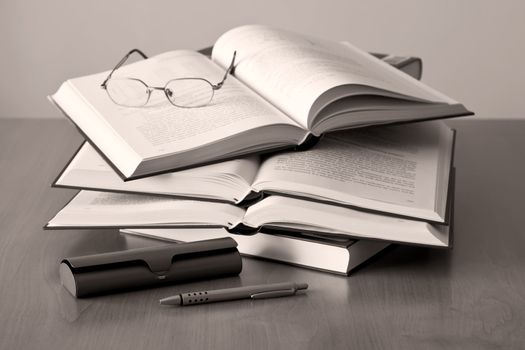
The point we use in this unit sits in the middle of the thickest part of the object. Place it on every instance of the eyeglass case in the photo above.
(150, 267)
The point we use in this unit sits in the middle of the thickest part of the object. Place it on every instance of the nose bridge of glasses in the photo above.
(159, 88)
(155, 88)
(166, 90)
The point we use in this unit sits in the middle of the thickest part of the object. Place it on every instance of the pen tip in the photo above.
(174, 300)
(301, 286)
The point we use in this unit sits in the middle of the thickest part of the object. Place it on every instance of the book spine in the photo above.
(410, 65)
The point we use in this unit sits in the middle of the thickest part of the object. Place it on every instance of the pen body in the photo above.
(211, 296)
(203, 297)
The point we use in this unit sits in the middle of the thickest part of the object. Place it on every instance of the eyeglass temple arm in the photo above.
(228, 71)
(121, 62)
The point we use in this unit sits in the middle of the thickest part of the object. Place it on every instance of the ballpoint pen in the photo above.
(261, 291)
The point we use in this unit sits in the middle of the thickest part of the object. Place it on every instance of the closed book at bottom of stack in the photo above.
(341, 255)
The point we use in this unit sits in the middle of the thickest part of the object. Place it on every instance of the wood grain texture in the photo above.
(471, 297)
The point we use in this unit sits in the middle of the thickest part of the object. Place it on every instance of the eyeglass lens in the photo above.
(189, 92)
(128, 92)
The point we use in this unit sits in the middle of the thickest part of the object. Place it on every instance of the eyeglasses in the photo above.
(181, 92)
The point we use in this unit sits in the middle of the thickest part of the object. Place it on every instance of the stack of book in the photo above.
(304, 155)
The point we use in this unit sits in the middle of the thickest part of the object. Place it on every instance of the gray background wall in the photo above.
(472, 50)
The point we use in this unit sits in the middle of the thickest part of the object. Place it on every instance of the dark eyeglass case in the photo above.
(150, 267)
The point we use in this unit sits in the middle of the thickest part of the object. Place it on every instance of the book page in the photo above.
(296, 214)
(161, 128)
(292, 71)
(227, 181)
(378, 168)
(101, 209)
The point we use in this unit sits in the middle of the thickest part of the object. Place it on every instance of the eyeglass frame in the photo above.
(150, 89)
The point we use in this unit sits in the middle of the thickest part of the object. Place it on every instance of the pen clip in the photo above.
(274, 293)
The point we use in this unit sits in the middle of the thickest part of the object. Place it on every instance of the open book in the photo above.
(399, 169)
(92, 209)
(287, 90)
(340, 255)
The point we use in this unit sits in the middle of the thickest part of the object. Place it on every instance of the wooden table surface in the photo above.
(470, 297)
